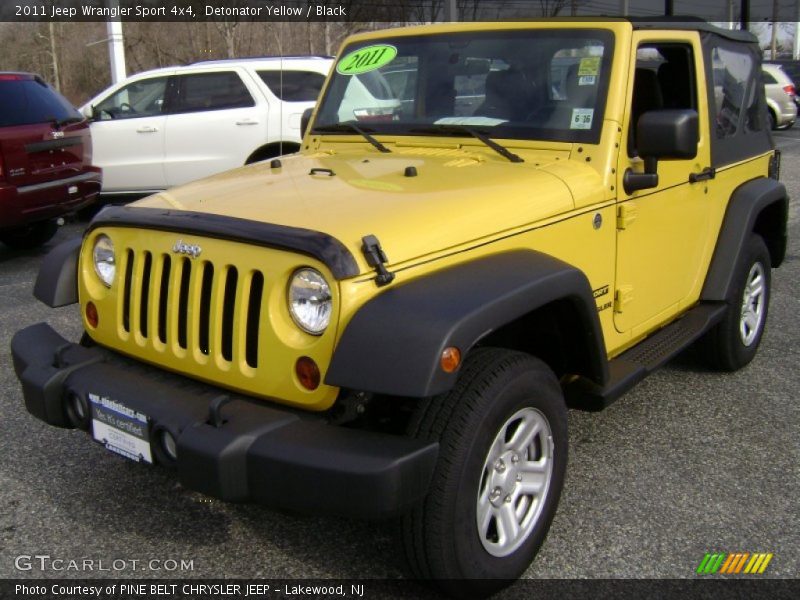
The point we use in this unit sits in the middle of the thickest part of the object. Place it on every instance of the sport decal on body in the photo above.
(366, 59)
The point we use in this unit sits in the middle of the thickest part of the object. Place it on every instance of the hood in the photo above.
(417, 201)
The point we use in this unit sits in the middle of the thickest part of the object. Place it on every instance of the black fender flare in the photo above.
(394, 342)
(747, 202)
(57, 281)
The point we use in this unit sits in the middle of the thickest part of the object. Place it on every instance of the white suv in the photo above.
(169, 126)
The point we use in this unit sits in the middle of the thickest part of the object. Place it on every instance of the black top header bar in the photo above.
(386, 11)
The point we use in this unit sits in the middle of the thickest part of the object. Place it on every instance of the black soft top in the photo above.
(692, 24)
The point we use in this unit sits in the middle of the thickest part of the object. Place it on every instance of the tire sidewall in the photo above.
(756, 252)
(527, 388)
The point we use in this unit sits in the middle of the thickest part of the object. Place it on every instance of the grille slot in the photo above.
(163, 298)
(205, 307)
(144, 299)
(253, 318)
(183, 301)
(126, 292)
(228, 308)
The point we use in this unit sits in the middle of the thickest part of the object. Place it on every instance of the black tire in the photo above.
(773, 121)
(32, 236)
(727, 347)
(440, 537)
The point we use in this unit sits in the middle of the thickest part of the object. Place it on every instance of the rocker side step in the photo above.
(630, 367)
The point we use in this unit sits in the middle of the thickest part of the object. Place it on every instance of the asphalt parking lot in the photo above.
(689, 462)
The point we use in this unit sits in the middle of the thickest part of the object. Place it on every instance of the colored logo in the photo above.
(736, 563)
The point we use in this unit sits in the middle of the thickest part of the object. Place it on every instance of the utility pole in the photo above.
(731, 24)
(796, 45)
(116, 46)
(624, 7)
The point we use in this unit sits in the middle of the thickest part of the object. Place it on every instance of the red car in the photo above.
(45, 156)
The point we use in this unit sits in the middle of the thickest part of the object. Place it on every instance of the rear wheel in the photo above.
(502, 435)
(31, 236)
(733, 343)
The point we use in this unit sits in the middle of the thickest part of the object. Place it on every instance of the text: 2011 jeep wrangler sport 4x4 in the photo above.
(389, 322)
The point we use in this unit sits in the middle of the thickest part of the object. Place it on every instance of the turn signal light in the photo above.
(451, 359)
(307, 372)
(91, 314)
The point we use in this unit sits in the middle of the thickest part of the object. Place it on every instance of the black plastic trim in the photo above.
(53, 144)
(256, 451)
(744, 207)
(394, 342)
(629, 368)
(321, 246)
(57, 281)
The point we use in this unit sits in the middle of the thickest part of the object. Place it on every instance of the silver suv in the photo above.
(781, 96)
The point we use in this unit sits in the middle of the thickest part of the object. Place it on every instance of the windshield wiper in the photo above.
(456, 129)
(348, 126)
(59, 123)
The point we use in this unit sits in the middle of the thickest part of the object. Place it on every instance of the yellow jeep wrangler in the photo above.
(485, 223)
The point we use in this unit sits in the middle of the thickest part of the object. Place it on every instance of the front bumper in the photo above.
(244, 451)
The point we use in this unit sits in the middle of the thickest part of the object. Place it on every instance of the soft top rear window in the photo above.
(28, 101)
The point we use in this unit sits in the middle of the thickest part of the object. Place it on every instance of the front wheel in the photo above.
(502, 435)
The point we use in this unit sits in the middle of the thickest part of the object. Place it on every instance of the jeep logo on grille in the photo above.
(182, 247)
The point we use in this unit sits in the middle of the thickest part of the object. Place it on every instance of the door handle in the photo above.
(247, 122)
(147, 129)
(704, 175)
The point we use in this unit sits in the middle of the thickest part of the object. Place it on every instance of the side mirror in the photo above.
(88, 112)
(304, 120)
(669, 134)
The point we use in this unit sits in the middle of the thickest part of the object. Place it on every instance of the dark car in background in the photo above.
(45, 157)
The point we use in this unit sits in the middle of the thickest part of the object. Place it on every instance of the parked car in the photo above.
(790, 67)
(45, 156)
(781, 96)
(169, 126)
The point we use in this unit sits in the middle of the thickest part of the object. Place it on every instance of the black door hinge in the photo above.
(376, 258)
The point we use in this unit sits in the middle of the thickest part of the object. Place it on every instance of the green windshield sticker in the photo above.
(589, 66)
(366, 59)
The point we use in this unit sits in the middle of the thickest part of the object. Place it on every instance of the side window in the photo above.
(768, 78)
(211, 91)
(665, 78)
(139, 99)
(293, 86)
(735, 93)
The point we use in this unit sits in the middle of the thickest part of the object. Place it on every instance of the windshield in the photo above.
(534, 84)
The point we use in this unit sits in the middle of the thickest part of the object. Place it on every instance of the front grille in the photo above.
(158, 303)
(220, 317)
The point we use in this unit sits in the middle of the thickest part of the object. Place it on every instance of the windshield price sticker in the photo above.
(366, 59)
(589, 65)
(581, 118)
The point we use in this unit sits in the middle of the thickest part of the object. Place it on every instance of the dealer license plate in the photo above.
(121, 429)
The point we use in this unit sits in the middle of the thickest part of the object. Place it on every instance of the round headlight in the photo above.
(310, 301)
(105, 265)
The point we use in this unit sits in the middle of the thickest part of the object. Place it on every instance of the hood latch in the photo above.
(376, 258)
